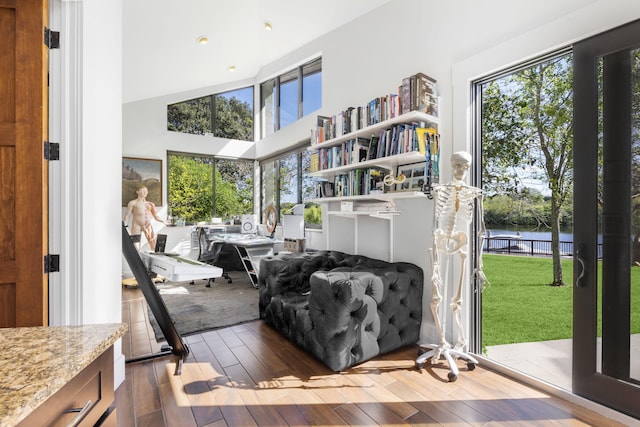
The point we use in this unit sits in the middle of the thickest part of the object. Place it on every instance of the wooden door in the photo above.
(23, 170)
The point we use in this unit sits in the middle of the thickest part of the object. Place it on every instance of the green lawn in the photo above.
(518, 305)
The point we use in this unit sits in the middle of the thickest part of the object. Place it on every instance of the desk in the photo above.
(251, 249)
(179, 269)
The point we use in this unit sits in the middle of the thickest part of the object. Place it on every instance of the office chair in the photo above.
(209, 251)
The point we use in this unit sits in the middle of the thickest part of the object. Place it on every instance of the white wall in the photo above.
(451, 41)
(87, 121)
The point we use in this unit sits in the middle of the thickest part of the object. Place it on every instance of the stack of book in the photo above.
(359, 182)
(399, 139)
(416, 93)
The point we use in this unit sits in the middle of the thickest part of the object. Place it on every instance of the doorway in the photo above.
(602, 266)
(525, 130)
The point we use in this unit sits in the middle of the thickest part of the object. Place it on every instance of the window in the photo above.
(285, 183)
(192, 116)
(224, 115)
(290, 96)
(202, 187)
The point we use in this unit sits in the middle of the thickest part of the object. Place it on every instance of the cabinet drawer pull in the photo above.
(81, 413)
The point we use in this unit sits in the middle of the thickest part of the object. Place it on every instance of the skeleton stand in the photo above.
(454, 203)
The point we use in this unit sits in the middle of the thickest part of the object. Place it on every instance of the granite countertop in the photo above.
(36, 362)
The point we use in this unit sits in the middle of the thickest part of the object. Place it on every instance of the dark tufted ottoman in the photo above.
(342, 308)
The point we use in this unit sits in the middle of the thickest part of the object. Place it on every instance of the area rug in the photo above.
(195, 308)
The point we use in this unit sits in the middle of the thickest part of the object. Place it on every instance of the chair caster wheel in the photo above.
(471, 366)
(452, 377)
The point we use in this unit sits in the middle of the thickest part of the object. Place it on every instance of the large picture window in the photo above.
(290, 96)
(202, 187)
(223, 115)
(285, 183)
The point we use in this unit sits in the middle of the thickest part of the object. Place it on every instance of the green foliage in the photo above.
(233, 119)
(526, 208)
(527, 128)
(313, 214)
(519, 307)
(191, 188)
(193, 116)
(527, 132)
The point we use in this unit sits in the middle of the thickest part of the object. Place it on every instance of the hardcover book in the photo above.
(426, 94)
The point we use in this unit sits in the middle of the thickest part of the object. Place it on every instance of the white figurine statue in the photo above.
(454, 208)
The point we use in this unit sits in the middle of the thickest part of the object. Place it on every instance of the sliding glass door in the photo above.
(606, 320)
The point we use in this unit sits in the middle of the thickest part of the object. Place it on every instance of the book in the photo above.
(426, 140)
(426, 94)
(372, 152)
(405, 95)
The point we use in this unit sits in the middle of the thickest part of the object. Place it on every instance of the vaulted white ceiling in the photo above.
(162, 56)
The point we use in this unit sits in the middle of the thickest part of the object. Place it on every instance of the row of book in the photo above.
(356, 182)
(399, 139)
(416, 93)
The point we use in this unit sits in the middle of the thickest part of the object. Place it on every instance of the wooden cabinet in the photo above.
(86, 400)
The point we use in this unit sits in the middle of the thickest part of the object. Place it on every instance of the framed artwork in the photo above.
(137, 172)
(415, 176)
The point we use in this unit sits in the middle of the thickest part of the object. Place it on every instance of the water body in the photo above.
(565, 235)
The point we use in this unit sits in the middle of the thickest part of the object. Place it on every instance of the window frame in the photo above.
(276, 83)
(274, 165)
(213, 119)
(215, 159)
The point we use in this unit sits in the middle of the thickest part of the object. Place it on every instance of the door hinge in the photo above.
(51, 263)
(51, 150)
(51, 38)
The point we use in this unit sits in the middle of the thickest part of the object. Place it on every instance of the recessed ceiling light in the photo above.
(202, 40)
(267, 25)
(232, 68)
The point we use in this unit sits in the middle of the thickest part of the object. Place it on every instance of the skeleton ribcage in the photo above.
(454, 206)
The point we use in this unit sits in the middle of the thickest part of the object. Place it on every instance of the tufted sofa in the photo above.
(344, 309)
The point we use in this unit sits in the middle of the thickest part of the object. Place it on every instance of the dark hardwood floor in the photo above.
(249, 375)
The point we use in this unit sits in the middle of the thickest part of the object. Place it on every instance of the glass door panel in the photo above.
(634, 314)
(607, 202)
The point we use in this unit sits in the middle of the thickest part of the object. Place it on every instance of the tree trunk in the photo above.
(635, 255)
(555, 243)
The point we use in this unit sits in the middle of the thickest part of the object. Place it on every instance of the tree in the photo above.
(234, 188)
(528, 132)
(191, 187)
(232, 118)
(190, 183)
(193, 116)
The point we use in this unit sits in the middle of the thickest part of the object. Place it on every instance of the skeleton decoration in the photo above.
(454, 208)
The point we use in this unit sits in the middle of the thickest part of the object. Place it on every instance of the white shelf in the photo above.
(382, 196)
(362, 217)
(411, 116)
(374, 214)
(389, 163)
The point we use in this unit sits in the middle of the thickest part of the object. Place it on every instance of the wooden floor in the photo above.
(249, 375)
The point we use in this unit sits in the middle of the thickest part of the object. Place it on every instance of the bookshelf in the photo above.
(375, 149)
(355, 151)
